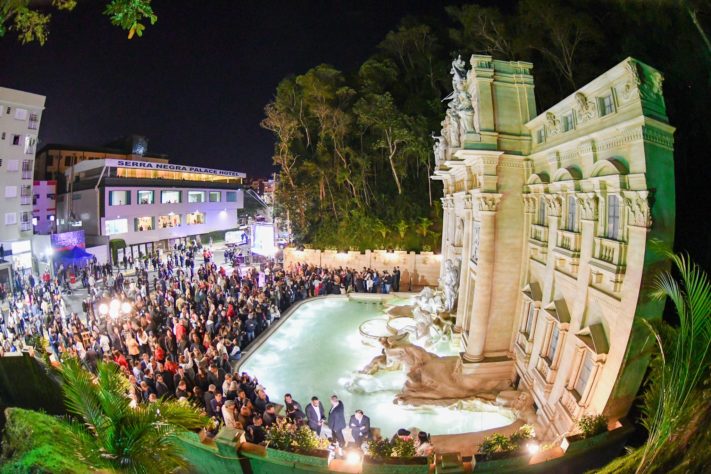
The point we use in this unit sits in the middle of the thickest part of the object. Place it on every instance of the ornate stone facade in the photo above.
(551, 216)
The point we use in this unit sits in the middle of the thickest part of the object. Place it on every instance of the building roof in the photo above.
(95, 149)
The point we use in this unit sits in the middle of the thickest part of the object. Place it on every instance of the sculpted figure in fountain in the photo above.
(450, 284)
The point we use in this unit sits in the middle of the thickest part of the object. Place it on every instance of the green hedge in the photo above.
(34, 442)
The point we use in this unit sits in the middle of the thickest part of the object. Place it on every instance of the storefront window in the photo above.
(215, 196)
(116, 226)
(171, 220)
(142, 224)
(195, 218)
(231, 196)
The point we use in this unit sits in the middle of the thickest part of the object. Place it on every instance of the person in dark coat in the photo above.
(315, 415)
(337, 420)
(360, 427)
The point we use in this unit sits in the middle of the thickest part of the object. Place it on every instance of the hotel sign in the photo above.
(172, 167)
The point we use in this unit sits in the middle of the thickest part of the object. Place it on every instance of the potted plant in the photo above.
(499, 451)
(383, 454)
(592, 429)
(288, 445)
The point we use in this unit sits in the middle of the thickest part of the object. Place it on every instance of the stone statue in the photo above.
(431, 377)
(429, 301)
(440, 149)
(453, 127)
(450, 284)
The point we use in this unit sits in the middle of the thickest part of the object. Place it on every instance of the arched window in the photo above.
(541, 211)
(571, 217)
(613, 217)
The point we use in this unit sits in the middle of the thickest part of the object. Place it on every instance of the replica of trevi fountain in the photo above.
(393, 356)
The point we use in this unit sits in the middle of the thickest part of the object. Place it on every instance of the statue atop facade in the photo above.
(440, 149)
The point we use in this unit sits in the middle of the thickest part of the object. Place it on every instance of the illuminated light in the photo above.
(125, 307)
(533, 448)
(353, 457)
(49, 252)
(103, 309)
(114, 308)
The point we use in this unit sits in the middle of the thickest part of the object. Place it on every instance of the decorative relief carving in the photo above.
(647, 83)
(640, 211)
(588, 206)
(529, 203)
(552, 124)
(488, 202)
(467, 201)
(586, 109)
(554, 203)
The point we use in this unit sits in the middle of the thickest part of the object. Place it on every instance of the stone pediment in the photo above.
(533, 291)
(559, 310)
(594, 337)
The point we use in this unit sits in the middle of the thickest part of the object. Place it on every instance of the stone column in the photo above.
(476, 336)
(463, 297)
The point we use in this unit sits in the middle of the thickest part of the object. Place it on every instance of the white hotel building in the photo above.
(149, 206)
(20, 115)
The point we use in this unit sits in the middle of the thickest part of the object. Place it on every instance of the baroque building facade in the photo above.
(550, 217)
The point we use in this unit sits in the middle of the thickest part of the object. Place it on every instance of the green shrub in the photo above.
(404, 448)
(591, 425)
(499, 445)
(307, 440)
(380, 448)
(281, 437)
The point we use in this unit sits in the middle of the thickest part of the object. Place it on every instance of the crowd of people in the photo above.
(180, 333)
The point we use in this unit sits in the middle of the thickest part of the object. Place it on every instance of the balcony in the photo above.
(567, 251)
(607, 266)
(570, 403)
(538, 243)
(545, 375)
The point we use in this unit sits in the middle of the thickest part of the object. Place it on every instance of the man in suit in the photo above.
(337, 420)
(360, 427)
(315, 415)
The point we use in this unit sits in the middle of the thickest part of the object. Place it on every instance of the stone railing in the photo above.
(539, 233)
(609, 251)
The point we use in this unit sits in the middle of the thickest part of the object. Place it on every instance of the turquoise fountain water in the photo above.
(318, 351)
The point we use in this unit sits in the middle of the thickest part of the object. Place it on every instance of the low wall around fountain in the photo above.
(416, 269)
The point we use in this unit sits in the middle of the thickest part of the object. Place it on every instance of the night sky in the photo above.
(197, 82)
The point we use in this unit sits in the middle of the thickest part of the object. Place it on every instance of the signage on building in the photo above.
(68, 240)
(171, 167)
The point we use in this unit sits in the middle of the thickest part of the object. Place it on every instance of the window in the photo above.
(3, 135)
(606, 105)
(10, 218)
(30, 145)
(195, 218)
(25, 221)
(33, 124)
(215, 196)
(541, 211)
(568, 122)
(196, 196)
(529, 320)
(146, 197)
(10, 191)
(119, 198)
(231, 196)
(9, 109)
(27, 169)
(584, 374)
(20, 114)
(171, 220)
(170, 197)
(553, 344)
(116, 226)
(613, 217)
(540, 135)
(13, 165)
(142, 224)
(571, 216)
(16, 140)
(25, 194)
